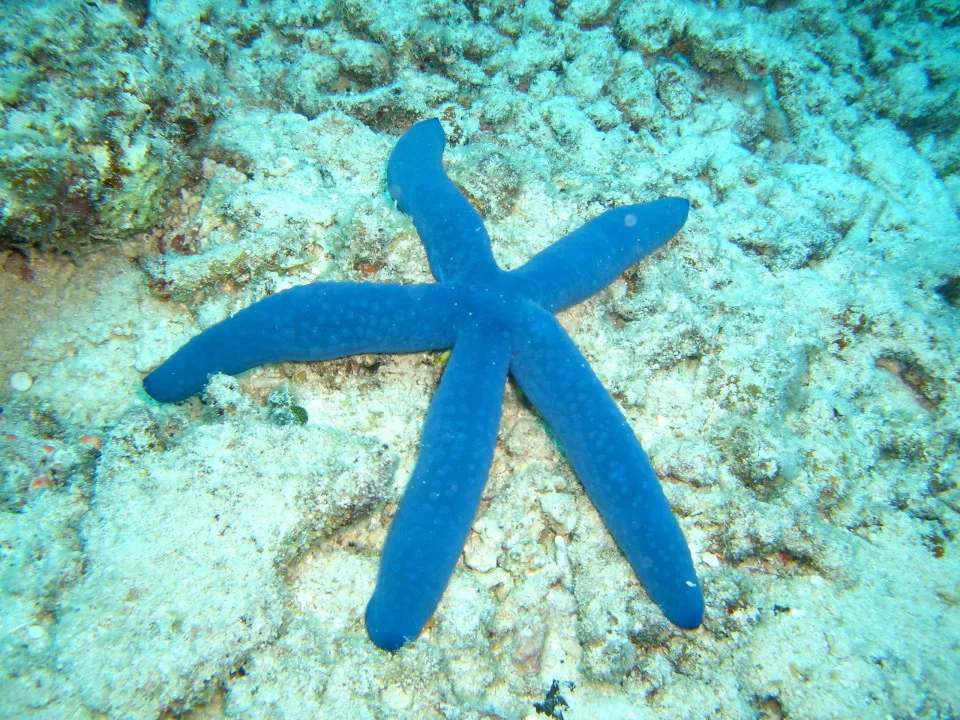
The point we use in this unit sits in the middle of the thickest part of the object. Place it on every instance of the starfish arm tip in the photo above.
(384, 626)
(610, 463)
(441, 500)
(319, 321)
(451, 230)
(588, 259)
(687, 613)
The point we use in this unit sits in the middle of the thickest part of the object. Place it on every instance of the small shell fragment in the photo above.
(710, 560)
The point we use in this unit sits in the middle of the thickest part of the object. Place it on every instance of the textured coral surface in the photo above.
(789, 361)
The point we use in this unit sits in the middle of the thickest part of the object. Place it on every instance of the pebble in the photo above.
(21, 381)
(481, 553)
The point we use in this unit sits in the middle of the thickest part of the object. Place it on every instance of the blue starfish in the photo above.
(497, 323)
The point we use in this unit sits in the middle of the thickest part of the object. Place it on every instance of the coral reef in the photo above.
(789, 361)
(100, 116)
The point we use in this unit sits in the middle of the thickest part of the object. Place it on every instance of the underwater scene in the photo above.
(475, 360)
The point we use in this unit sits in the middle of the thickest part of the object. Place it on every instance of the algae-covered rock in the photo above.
(98, 118)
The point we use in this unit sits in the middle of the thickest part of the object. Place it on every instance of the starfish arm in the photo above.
(591, 257)
(611, 464)
(442, 497)
(451, 230)
(312, 322)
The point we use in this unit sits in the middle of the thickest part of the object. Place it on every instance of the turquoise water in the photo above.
(788, 361)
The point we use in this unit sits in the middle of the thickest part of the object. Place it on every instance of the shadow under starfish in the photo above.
(497, 323)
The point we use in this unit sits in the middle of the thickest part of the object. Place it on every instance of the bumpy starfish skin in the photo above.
(497, 323)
